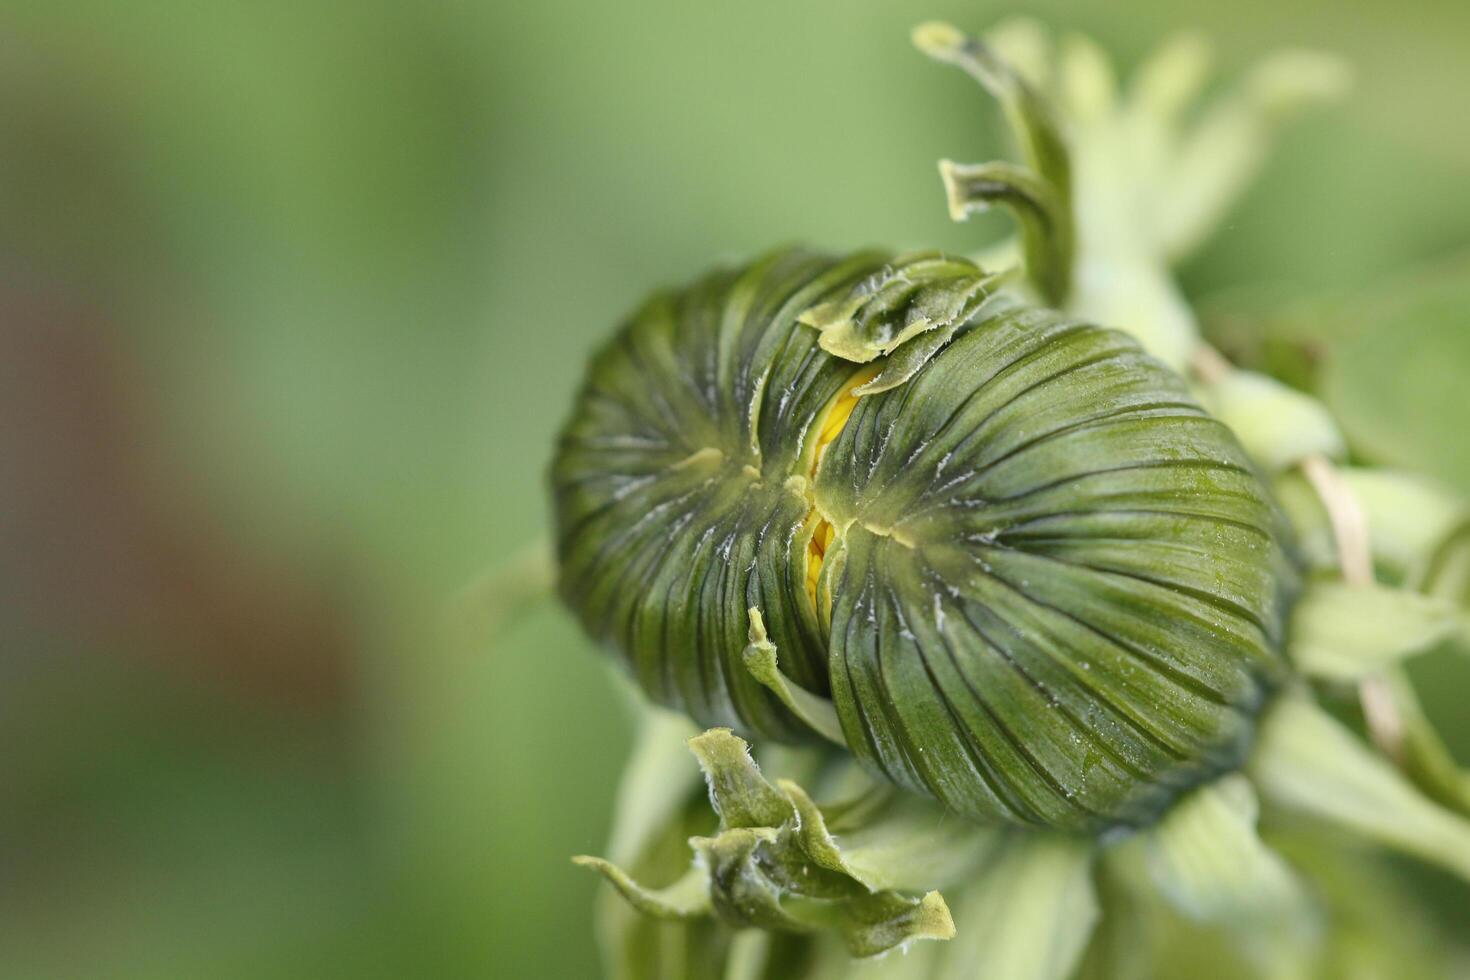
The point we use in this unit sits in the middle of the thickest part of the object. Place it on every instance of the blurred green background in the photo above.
(293, 295)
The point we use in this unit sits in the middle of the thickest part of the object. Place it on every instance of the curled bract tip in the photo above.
(773, 863)
(686, 898)
(959, 207)
(938, 39)
(933, 918)
(762, 661)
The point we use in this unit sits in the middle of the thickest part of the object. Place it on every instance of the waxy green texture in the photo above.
(1053, 593)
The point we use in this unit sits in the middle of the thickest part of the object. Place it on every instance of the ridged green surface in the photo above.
(1054, 587)
(1055, 576)
(676, 509)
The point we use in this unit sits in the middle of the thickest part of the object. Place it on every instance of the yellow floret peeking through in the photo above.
(830, 426)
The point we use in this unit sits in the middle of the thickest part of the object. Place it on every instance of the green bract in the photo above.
(1051, 591)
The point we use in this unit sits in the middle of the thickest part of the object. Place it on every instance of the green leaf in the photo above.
(1345, 633)
(1278, 426)
(1172, 76)
(1207, 860)
(1411, 521)
(1447, 574)
(1397, 384)
(1308, 762)
(1380, 923)
(1222, 153)
(1425, 758)
(1029, 914)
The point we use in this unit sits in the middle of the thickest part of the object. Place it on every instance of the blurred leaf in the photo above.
(1361, 893)
(1413, 522)
(1308, 762)
(1029, 914)
(1278, 426)
(1345, 633)
(1398, 385)
(1206, 858)
(1425, 757)
(661, 801)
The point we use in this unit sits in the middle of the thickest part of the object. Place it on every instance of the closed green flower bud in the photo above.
(1036, 580)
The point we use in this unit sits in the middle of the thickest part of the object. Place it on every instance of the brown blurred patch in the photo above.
(103, 546)
(107, 544)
